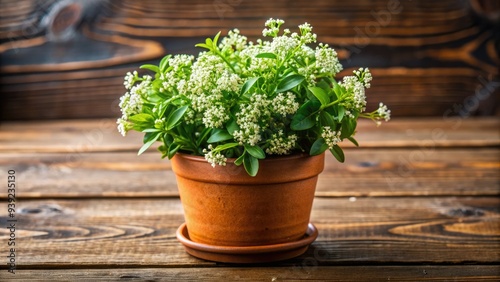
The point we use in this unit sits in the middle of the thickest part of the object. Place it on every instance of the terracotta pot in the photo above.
(224, 206)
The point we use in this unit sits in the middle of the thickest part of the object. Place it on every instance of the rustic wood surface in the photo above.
(418, 202)
(424, 272)
(428, 58)
(140, 233)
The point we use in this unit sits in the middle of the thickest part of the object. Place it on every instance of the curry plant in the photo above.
(248, 100)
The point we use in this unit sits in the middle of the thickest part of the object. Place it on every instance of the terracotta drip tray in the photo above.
(247, 254)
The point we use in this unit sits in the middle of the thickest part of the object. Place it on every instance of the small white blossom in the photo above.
(123, 126)
(356, 88)
(384, 112)
(284, 104)
(331, 137)
(214, 158)
(234, 40)
(327, 60)
(215, 116)
(280, 144)
(283, 45)
(159, 122)
(130, 79)
(306, 35)
(130, 104)
(364, 76)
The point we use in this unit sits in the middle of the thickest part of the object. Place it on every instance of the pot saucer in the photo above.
(247, 254)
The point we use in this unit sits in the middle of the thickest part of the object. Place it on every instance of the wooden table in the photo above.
(419, 200)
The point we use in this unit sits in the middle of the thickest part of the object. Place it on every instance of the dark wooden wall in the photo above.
(67, 58)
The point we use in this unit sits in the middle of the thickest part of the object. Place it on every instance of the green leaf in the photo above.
(209, 42)
(219, 135)
(149, 143)
(324, 85)
(203, 45)
(164, 63)
(168, 139)
(232, 127)
(337, 89)
(338, 153)
(150, 67)
(303, 119)
(266, 55)
(226, 146)
(318, 147)
(255, 151)
(203, 136)
(289, 82)
(239, 160)
(141, 118)
(353, 141)
(251, 165)
(248, 85)
(348, 127)
(172, 150)
(148, 130)
(326, 119)
(216, 38)
(174, 118)
(320, 94)
(341, 113)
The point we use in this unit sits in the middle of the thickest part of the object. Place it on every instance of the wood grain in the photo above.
(274, 273)
(100, 135)
(425, 57)
(141, 233)
(377, 172)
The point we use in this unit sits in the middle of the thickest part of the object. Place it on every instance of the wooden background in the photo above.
(67, 58)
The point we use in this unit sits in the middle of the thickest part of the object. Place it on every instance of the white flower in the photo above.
(159, 122)
(284, 104)
(282, 45)
(215, 116)
(179, 61)
(280, 144)
(384, 112)
(306, 35)
(331, 137)
(130, 104)
(357, 100)
(234, 40)
(364, 76)
(273, 27)
(214, 158)
(123, 126)
(327, 60)
(130, 79)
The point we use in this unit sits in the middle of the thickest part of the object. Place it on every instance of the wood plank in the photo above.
(100, 135)
(454, 41)
(298, 272)
(375, 172)
(100, 233)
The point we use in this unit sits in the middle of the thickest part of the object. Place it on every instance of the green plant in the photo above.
(248, 100)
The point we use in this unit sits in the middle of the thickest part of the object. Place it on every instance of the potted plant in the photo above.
(246, 125)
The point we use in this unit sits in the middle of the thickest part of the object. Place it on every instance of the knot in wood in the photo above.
(62, 20)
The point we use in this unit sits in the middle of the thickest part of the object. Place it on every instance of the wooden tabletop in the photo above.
(418, 200)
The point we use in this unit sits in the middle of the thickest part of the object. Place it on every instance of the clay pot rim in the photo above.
(298, 166)
(293, 156)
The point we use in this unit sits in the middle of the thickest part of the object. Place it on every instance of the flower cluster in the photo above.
(213, 157)
(331, 137)
(248, 100)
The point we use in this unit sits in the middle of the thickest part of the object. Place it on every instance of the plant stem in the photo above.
(330, 104)
(217, 51)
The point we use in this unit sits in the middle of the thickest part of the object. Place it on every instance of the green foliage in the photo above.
(247, 100)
